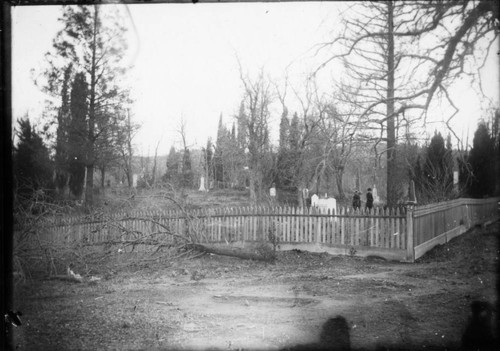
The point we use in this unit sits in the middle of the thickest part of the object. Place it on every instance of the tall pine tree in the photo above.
(93, 41)
(63, 120)
(77, 139)
(481, 159)
(284, 174)
(187, 172)
(220, 153)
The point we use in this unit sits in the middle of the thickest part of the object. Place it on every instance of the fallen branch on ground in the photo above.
(257, 254)
(67, 278)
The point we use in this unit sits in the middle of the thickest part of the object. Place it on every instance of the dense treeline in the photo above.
(354, 136)
(480, 167)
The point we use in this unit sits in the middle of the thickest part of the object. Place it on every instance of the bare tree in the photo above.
(339, 137)
(153, 176)
(322, 137)
(400, 56)
(186, 170)
(254, 121)
(306, 161)
(125, 146)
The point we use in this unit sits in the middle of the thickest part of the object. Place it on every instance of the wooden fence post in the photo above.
(410, 250)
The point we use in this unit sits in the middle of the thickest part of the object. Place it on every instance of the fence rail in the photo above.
(396, 234)
(439, 223)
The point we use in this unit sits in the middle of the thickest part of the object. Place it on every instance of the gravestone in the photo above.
(376, 198)
(314, 200)
(272, 192)
(202, 184)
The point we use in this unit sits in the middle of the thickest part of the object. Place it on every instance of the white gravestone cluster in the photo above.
(324, 205)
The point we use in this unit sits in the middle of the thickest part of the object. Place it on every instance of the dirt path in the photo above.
(228, 304)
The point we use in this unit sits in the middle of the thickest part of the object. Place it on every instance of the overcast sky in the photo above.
(185, 62)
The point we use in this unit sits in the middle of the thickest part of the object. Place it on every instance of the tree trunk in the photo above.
(128, 161)
(300, 197)
(89, 186)
(339, 175)
(391, 132)
(358, 180)
(153, 176)
(253, 192)
(89, 200)
(231, 251)
(103, 176)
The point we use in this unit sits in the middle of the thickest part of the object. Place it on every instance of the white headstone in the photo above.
(314, 200)
(202, 184)
(305, 193)
(329, 204)
(134, 180)
(376, 199)
(272, 192)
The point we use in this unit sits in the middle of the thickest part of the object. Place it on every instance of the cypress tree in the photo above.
(63, 119)
(284, 130)
(173, 164)
(482, 163)
(187, 173)
(77, 135)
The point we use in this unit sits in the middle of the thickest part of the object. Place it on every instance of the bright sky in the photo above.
(185, 63)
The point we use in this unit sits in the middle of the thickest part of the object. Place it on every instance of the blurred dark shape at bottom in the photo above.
(479, 334)
(334, 336)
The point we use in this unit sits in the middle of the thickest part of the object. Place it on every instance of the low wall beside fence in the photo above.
(438, 223)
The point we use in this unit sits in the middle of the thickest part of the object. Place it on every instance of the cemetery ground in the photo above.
(225, 303)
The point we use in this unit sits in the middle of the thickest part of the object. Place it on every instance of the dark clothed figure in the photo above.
(369, 199)
(356, 201)
(335, 336)
(479, 332)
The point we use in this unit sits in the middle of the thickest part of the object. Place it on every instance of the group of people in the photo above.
(356, 200)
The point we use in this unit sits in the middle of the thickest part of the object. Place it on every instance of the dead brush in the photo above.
(30, 215)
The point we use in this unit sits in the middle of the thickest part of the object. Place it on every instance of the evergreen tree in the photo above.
(435, 156)
(463, 173)
(448, 160)
(433, 175)
(93, 40)
(294, 135)
(242, 122)
(187, 172)
(234, 159)
(233, 132)
(482, 163)
(417, 177)
(284, 173)
(495, 133)
(207, 162)
(63, 119)
(173, 166)
(284, 130)
(220, 150)
(31, 162)
(77, 135)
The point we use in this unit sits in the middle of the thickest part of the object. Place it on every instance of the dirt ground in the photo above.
(225, 303)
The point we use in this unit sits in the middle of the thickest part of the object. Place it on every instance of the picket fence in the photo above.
(399, 234)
